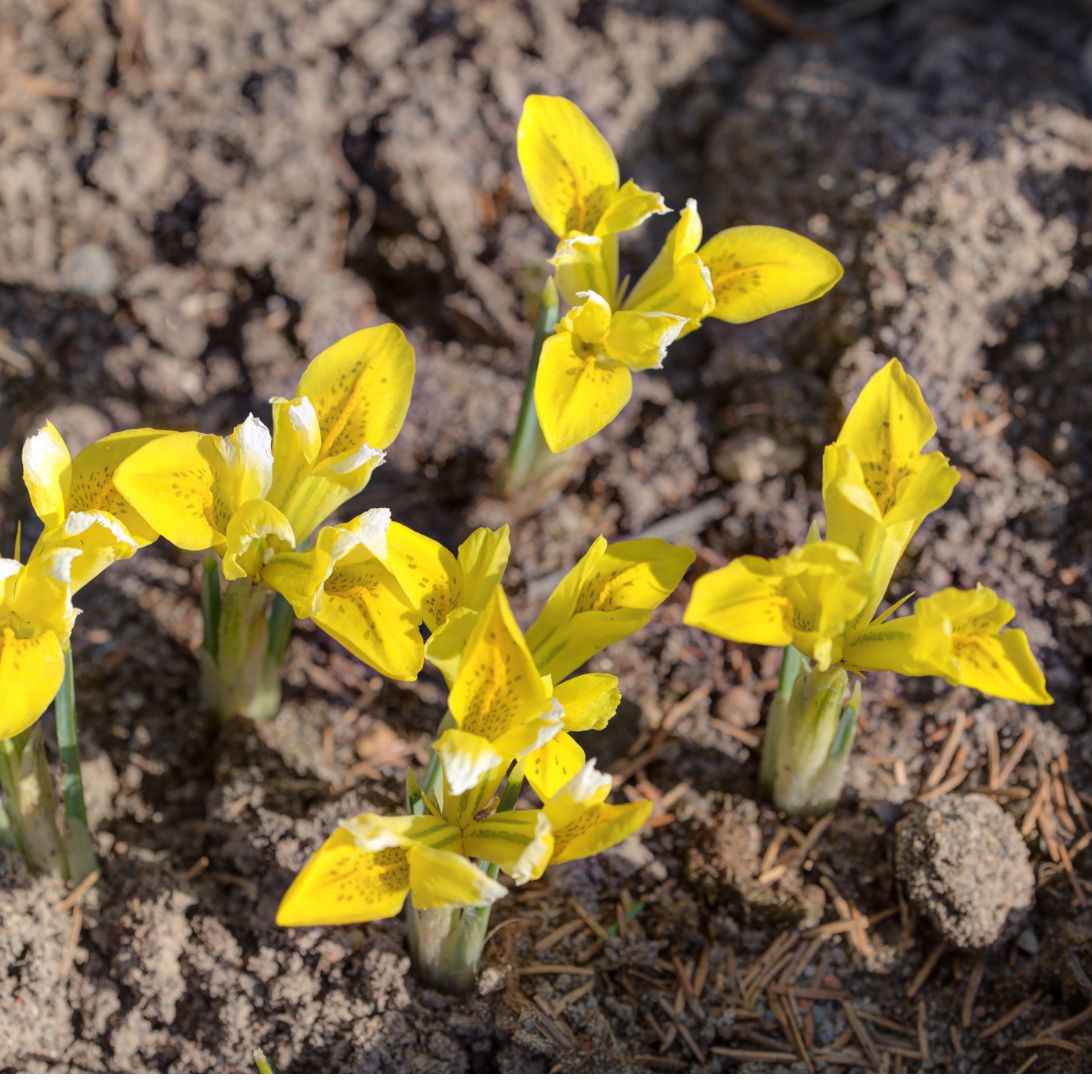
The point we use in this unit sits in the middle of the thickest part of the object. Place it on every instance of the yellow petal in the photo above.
(856, 520)
(681, 242)
(498, 693)
(428, 573)
(342, 883)
(569, 168)
(467, 760)
(576, 396)
(1002, 666)
(364, 608)
(483, 557)
(92, 489)
(256, 532)
(100, 539)
(359, 392)
(743, 601)
(758, 269)
(551, 767)
(445, 648)
(178, 484)
(31, 672)
(246, 468)
(609, 594)
(590, 321)
(886, 430)
(809, 598)
(38, 596)
(46, 465)
(582, 823)
(599, 828)
(911, 645)
(342, 584)
(989, 659)
(629, 207)
(296, 443)
(640, 339)
(589, 701)
(677, 282)
(360, 388)
(518, 841)
(440, 879)
(586, 264)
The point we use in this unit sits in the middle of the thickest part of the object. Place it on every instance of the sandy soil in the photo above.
(196, 196)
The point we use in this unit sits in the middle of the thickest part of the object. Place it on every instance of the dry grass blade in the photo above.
(863, 1036)
(564, 931)
(940, 768)
(1005, 1019)
(1016, 755)
(1065, 1025)
(973, 983)
(755, 1057)
(925, 971)
(555, 969)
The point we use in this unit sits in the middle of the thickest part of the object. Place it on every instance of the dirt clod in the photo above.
(965, 868)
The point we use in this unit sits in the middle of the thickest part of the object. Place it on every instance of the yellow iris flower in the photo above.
(36, 618)
(369, 866)
(255, 497)
(878, 486)
(78, 502)
(744, 273)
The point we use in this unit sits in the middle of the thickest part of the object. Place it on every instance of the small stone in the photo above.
(966, 869)
(89, 269)
(752, 458)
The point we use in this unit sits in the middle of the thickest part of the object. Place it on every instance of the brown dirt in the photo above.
(195, 197)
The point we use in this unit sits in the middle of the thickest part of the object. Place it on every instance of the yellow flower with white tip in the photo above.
(587, 703)
(610, 594)
(808, 598)
(572, 176)
(343, 584)
(78, 501)
(502, 707)
(956, 634)
(878, 486)
(583, 823)
(331, 435)
(188, 486)
(820, 601)
(584, 379)
(36, 618)
(739, 275)
(368, 867)
(743, 273)
(440, 583)
(678, 280)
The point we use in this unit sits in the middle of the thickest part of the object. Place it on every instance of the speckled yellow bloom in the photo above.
(822, 598)
(583, 379)
(36, 618)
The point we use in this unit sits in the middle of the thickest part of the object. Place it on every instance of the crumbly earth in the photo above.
(195, 197)
(965, 868)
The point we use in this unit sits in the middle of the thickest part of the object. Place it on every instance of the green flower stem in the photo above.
(78, 842)
(809, 734)
(529, 453)
(10, 803)
(446, 945)
(210, 605)
(31, 803)
(246, 634)
(7, 834)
